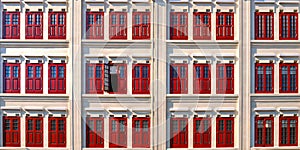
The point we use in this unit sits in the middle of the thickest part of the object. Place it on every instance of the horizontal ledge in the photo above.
(203, 42)
(289, 109)
(203, 109)
(30, 108)
(117, 109)
(141, 109)
(34, 43)
(226, 109)
(264, 109)
(115, 96)
(179, 109)
(57, 108)
(10, 108)
(95, 109)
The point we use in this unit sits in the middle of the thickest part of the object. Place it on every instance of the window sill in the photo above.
(283, 147)
(34, 43)
(33, 148)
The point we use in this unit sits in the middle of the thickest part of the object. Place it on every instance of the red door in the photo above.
(118, 25)
(11, 78)
(34, 131)
(141, 132)
(202, 132)
(118, 132)
(11, 131)
(179, 133)
(34, 78)
(95, 132)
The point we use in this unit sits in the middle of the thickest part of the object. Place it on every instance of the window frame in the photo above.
(173, 80)
(264, 22)
(93, 135)
(7, 134)
(12, 80)
(197, 34)
(199, 137)
(225, 132)
(57, 27)
(174, 134)
(117, 143)
(141, 138)
(264, 88)
(122, 89)
(97, 85)
(92, 28)
(222, 26)
(141, 81)
(220, 80)
(174, 28)
(289, 65)
(199, 82)
(289, 15)
(264, 119)
(59, 135)
(141, 26)
(289, 118)
(56, 89)
(11, 26)
(34, 79)
(122, 34)
(35, 132)
(37, 29)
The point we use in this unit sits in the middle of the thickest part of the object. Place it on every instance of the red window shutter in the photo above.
(179, 79)
(225, 26)
(288, 77)
(95, 78)
(11, 133)
(34, 82)
(95, 25)
(57, 131)
(202, 26)
(12, 74)
(202, 79)
(57, 81)
(34, 131)
(57, 25)
(225, 78)
(95, 132)
(141, 132)
(202, 132)
(118, 25)
(288, 26)
(34, 25)
(178, 25)
(264, 25)
(288, 129)
(140, 25)
(118, 132)
(225, 132)
(11, 25)
(179, 133)
(264, 131)
(120, 79)
(263, 74)
(141, 79)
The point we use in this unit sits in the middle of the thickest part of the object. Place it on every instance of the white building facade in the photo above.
(139, 74)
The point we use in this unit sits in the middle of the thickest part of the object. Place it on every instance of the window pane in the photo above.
(145, 125)
(30, 125)
(15, 124)
(145, 19)
(113, 19)
(137, 19)
(90, 19)
(30, 19)
(98, 71)
(221, 72)
(61, 73)
(61, 125)
(38, 125)
(16, 71)
(206, 72)
(182, 71)
(122, 72)
(98, 125)
(122, 125)
(174, 72)
(137, 125)
(7, 19)
(53, 125)
(122, 19)
(229, 72)
(90, 71)
(114, 125)
(38, 72)
(53, 71)
(145, 71)
(136, 71)
(38, 19)
(61, 19)
(228, 125)
(198, 74)
(269, 80)
(7, 71)
(175, 125)
(15, 19)
(221, 125)
(30, 72)
(183, 125)
(7, 124)
(53, 19)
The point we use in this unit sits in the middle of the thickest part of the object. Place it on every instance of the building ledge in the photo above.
(217, 98)
(203, 42)
(272, 148)
(12, 43)
(295, 43)
(116, 95)
(31, 148)
(34, 97)
(117, 43)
